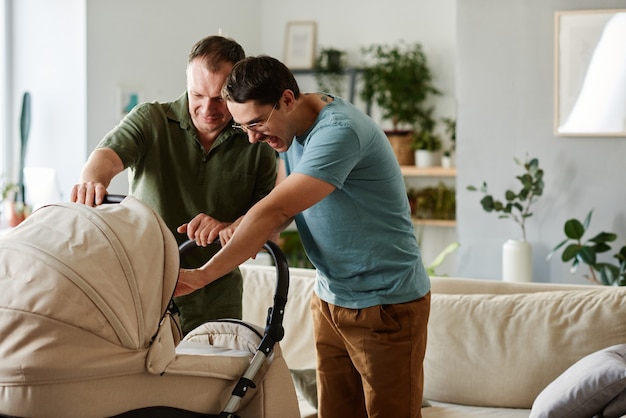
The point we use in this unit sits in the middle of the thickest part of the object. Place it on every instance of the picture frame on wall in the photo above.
(300, 43)
(588, 99)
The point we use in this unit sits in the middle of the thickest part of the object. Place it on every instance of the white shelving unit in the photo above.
(433, 234)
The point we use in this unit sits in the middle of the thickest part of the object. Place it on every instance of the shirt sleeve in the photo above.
(330, 154)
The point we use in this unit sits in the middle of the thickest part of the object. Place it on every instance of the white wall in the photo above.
(505, 101)
(49, 61)
(143, 45)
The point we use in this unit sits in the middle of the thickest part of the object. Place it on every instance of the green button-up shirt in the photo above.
(170, 171)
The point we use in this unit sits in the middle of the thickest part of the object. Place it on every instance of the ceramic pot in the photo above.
(425, 158)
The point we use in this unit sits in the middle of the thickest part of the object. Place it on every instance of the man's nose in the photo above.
(254, 137)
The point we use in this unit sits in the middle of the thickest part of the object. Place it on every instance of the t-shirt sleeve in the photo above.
(330, 154)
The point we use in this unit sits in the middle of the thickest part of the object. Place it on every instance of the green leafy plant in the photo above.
(398, 79)
(329, 70)
(586, 252)
(425, 138)
(433, 202)
(450, 129)
(25, 118)
(516, 205)
(450, 248)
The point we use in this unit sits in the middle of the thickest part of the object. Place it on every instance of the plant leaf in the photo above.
(574, 229)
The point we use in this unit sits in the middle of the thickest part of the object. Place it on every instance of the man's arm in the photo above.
(103, 164)
(293, 195)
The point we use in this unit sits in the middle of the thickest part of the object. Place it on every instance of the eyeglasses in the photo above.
(256, 126)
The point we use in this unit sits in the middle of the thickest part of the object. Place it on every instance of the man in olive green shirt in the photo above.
(187, 162)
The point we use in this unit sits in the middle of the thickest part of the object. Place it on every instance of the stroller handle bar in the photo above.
(274, 330)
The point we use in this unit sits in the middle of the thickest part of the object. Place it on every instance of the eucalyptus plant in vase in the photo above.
(516, 254)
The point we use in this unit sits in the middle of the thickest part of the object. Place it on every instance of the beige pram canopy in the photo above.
(85, 329)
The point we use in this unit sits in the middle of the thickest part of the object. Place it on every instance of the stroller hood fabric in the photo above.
(83, 291)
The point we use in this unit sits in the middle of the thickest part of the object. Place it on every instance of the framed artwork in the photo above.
(300, 42)
(127, 99)
(590, 73)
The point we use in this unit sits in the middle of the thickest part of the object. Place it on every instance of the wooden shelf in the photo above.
(408, 170)
(445, 223)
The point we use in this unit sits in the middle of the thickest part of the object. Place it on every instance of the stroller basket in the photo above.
(88, 331)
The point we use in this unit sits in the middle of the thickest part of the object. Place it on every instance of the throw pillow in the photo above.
(617, 407)
(584, 389)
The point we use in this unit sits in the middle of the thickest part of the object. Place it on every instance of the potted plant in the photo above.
(398, 80)
(19, 209)
(516, 254)
(426, 143)
(447, 159)
(579, 252)
(329, 70)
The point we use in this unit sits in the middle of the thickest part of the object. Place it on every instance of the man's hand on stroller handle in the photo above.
(189, 280)
(88, 193)
(204, 230)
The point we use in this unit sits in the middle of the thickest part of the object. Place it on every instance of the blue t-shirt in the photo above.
(360, 237)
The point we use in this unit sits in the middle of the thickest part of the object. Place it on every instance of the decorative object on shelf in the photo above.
(447, 158)
(401, 144)
(433, 202)
(19, 209)
(300, 42)
(398, 80)
(426, 143)
(579, 252)
(517, 257)
(330, 71)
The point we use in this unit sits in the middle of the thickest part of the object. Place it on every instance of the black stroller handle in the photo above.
(113, 198)
(274, 330)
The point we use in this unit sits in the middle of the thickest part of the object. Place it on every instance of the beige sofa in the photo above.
(492, 346)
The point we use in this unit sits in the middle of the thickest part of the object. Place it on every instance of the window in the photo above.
(5, 127)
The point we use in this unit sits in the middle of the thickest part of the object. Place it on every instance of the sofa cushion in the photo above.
(585, 388)
(259, 286)
(502, 350)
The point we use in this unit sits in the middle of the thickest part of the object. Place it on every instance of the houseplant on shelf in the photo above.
(329, 70)
(426, 143)
(447, 159)
(516, 254)
(398, 80)
(579, 252)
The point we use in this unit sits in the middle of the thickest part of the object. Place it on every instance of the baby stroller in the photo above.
(87, 329)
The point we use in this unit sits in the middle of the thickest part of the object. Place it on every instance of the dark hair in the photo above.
(262, 79)
(215, 50)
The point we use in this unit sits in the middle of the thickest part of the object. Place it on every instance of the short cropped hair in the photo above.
(216, 50)
(262, 79)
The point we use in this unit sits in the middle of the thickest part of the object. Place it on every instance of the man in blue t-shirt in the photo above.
(342, 184)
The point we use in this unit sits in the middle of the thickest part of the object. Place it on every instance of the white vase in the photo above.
(517, 261)
(425, 158)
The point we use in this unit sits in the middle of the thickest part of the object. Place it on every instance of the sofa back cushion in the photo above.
(503, 349)
(259, 285)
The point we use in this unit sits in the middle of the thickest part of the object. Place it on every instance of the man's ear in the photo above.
(287, 99)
